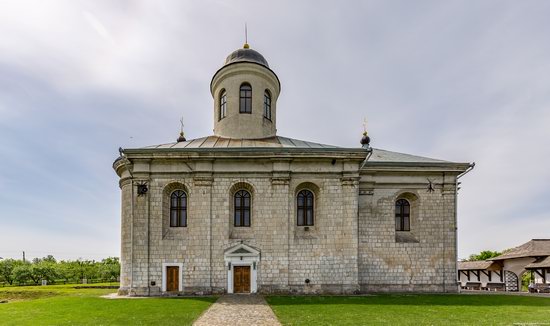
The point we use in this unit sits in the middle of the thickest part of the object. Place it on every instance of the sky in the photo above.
(464, 81)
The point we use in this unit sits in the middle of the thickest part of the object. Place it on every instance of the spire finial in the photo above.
(365, 141)
(246, 46)
(181, 137)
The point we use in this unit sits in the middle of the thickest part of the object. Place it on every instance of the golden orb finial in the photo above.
(246, 46)
(365, 141)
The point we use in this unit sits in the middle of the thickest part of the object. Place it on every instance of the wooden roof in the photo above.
(533, 248)
(475, 265)
(540, 263)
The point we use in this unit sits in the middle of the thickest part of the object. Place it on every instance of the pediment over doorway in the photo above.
(241, 250)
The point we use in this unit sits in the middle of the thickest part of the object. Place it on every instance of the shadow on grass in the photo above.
(412, 300)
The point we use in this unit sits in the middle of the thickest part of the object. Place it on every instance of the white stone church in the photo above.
(246, 210)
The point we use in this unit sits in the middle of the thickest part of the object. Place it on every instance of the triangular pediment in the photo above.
(241, 250)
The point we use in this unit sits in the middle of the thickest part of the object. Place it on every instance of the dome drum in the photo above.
(245, 93)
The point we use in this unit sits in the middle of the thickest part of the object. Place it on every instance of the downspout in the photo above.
(470, 168)
(131, 229)
(290, 199)
(369, 154)
(148, 244)
(211, 220)
(132, 237)
(444, 238)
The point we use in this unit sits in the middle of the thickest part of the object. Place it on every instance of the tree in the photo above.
(23, 272)
(110, 268)
(484, 255)
(64, 270)
(48, 268)
(85, 269)
(6, 269)
(44, 270)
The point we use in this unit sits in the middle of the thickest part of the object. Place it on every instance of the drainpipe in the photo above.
(149, 243)
(132, 237)
(211, 220)
(369, 154)
(470, 168)
(290, 199)
(131, 228)
(444, 238)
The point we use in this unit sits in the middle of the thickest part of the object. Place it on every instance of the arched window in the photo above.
(402, 215)
(178, 208)
(223, 104)
(267, 105)
(242, 208)
(305, 204)
(246, 99)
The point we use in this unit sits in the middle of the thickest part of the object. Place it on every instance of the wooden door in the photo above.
(172, 278)
(241, 279)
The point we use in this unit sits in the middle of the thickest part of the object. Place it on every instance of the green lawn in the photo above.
(64, 305)
(421, 309)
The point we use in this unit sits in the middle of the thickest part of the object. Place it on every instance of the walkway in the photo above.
(237, 309)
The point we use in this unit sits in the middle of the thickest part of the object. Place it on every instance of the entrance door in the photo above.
(241, 279)
(172, 278)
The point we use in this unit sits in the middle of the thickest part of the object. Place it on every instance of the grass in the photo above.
(420, 309)
(67, 305)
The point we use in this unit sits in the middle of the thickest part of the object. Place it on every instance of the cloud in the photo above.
(451, 80)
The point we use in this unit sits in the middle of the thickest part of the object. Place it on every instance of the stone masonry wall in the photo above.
(352, 247)
(423, 259)
(326, 254)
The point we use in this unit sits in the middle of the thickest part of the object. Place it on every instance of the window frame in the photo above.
(402, 216)
(305, 208)
(180, 208)
(267, 104)
(240, 208)
(223, 105)
(245, 99)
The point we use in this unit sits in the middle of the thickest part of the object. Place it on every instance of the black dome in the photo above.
(246, 55)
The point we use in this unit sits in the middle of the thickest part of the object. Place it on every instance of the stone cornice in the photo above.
(120, 164)
(348, 154)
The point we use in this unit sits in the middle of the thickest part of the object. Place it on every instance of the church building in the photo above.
(246, 210)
